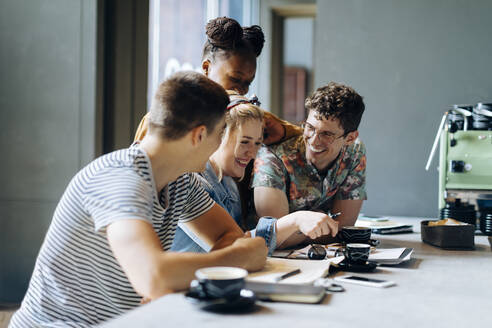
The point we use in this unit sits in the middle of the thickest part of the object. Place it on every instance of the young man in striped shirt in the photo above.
(106, 248)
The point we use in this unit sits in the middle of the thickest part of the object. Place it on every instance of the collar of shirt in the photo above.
(330, 174)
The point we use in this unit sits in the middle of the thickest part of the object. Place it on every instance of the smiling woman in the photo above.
(242, 138)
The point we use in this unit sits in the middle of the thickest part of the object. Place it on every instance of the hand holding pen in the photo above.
(316, 224)
(334, 216)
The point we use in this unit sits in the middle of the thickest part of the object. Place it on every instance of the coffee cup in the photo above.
(353, 234)
(221, 282)
(357, 253)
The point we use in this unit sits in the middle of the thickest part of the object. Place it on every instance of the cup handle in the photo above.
(374, 242)
(201, 289)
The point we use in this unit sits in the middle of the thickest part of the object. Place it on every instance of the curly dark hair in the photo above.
(339, 101)
(226, 37)
(185, 100)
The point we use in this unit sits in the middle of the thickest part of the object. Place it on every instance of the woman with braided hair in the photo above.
(229, 58)
(229, 54)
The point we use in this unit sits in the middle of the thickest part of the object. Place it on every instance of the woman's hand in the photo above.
(274, 130)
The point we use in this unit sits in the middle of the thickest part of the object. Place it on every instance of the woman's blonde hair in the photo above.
(239, 111)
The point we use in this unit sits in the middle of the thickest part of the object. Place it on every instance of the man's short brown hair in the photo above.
(184, 101)
(336, 100)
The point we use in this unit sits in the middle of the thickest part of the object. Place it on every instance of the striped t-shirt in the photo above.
(77, 281)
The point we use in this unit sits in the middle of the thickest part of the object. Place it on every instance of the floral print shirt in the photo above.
(284, 166)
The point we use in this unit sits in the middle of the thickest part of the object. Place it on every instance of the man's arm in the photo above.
(314, 227)
(273, 202)
(154, 272)
(216, 228)
(352, 192)
(311, 225)
(350, 209)
(270, 202)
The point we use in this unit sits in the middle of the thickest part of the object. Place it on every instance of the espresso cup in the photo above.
(352, 234)
(357, 253)
(221, 282)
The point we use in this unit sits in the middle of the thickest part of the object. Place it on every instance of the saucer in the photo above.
(243, 303)
(352, 267)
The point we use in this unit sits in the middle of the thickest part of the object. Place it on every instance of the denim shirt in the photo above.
(226, 194)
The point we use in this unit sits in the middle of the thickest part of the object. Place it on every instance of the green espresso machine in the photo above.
(465, 164)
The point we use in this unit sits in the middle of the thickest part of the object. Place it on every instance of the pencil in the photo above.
(287, 275)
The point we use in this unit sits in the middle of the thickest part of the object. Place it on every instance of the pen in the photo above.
(287, 275)
(334, 216)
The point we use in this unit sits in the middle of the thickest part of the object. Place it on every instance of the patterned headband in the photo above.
(252, 100)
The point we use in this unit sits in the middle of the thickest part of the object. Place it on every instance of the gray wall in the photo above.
(73, 85)
(47, 121)
(298, 41)
(409, 59)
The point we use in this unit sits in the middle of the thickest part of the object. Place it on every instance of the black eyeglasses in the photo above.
(324, 136)
(316, 252)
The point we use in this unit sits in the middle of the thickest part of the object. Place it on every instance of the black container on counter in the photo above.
(448, 236)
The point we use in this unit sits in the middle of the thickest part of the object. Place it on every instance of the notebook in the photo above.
(383, 225)
(277, 292)
(310, 270)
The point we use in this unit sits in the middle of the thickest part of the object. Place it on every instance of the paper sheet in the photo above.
(310, 270)
(390, 255)
(386, 253)
(389, 224)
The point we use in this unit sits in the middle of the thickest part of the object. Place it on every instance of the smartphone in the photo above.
(371, 282)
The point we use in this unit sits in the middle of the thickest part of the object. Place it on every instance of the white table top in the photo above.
(436, 288)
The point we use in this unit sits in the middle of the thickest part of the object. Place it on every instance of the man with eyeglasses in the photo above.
(323, 169)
